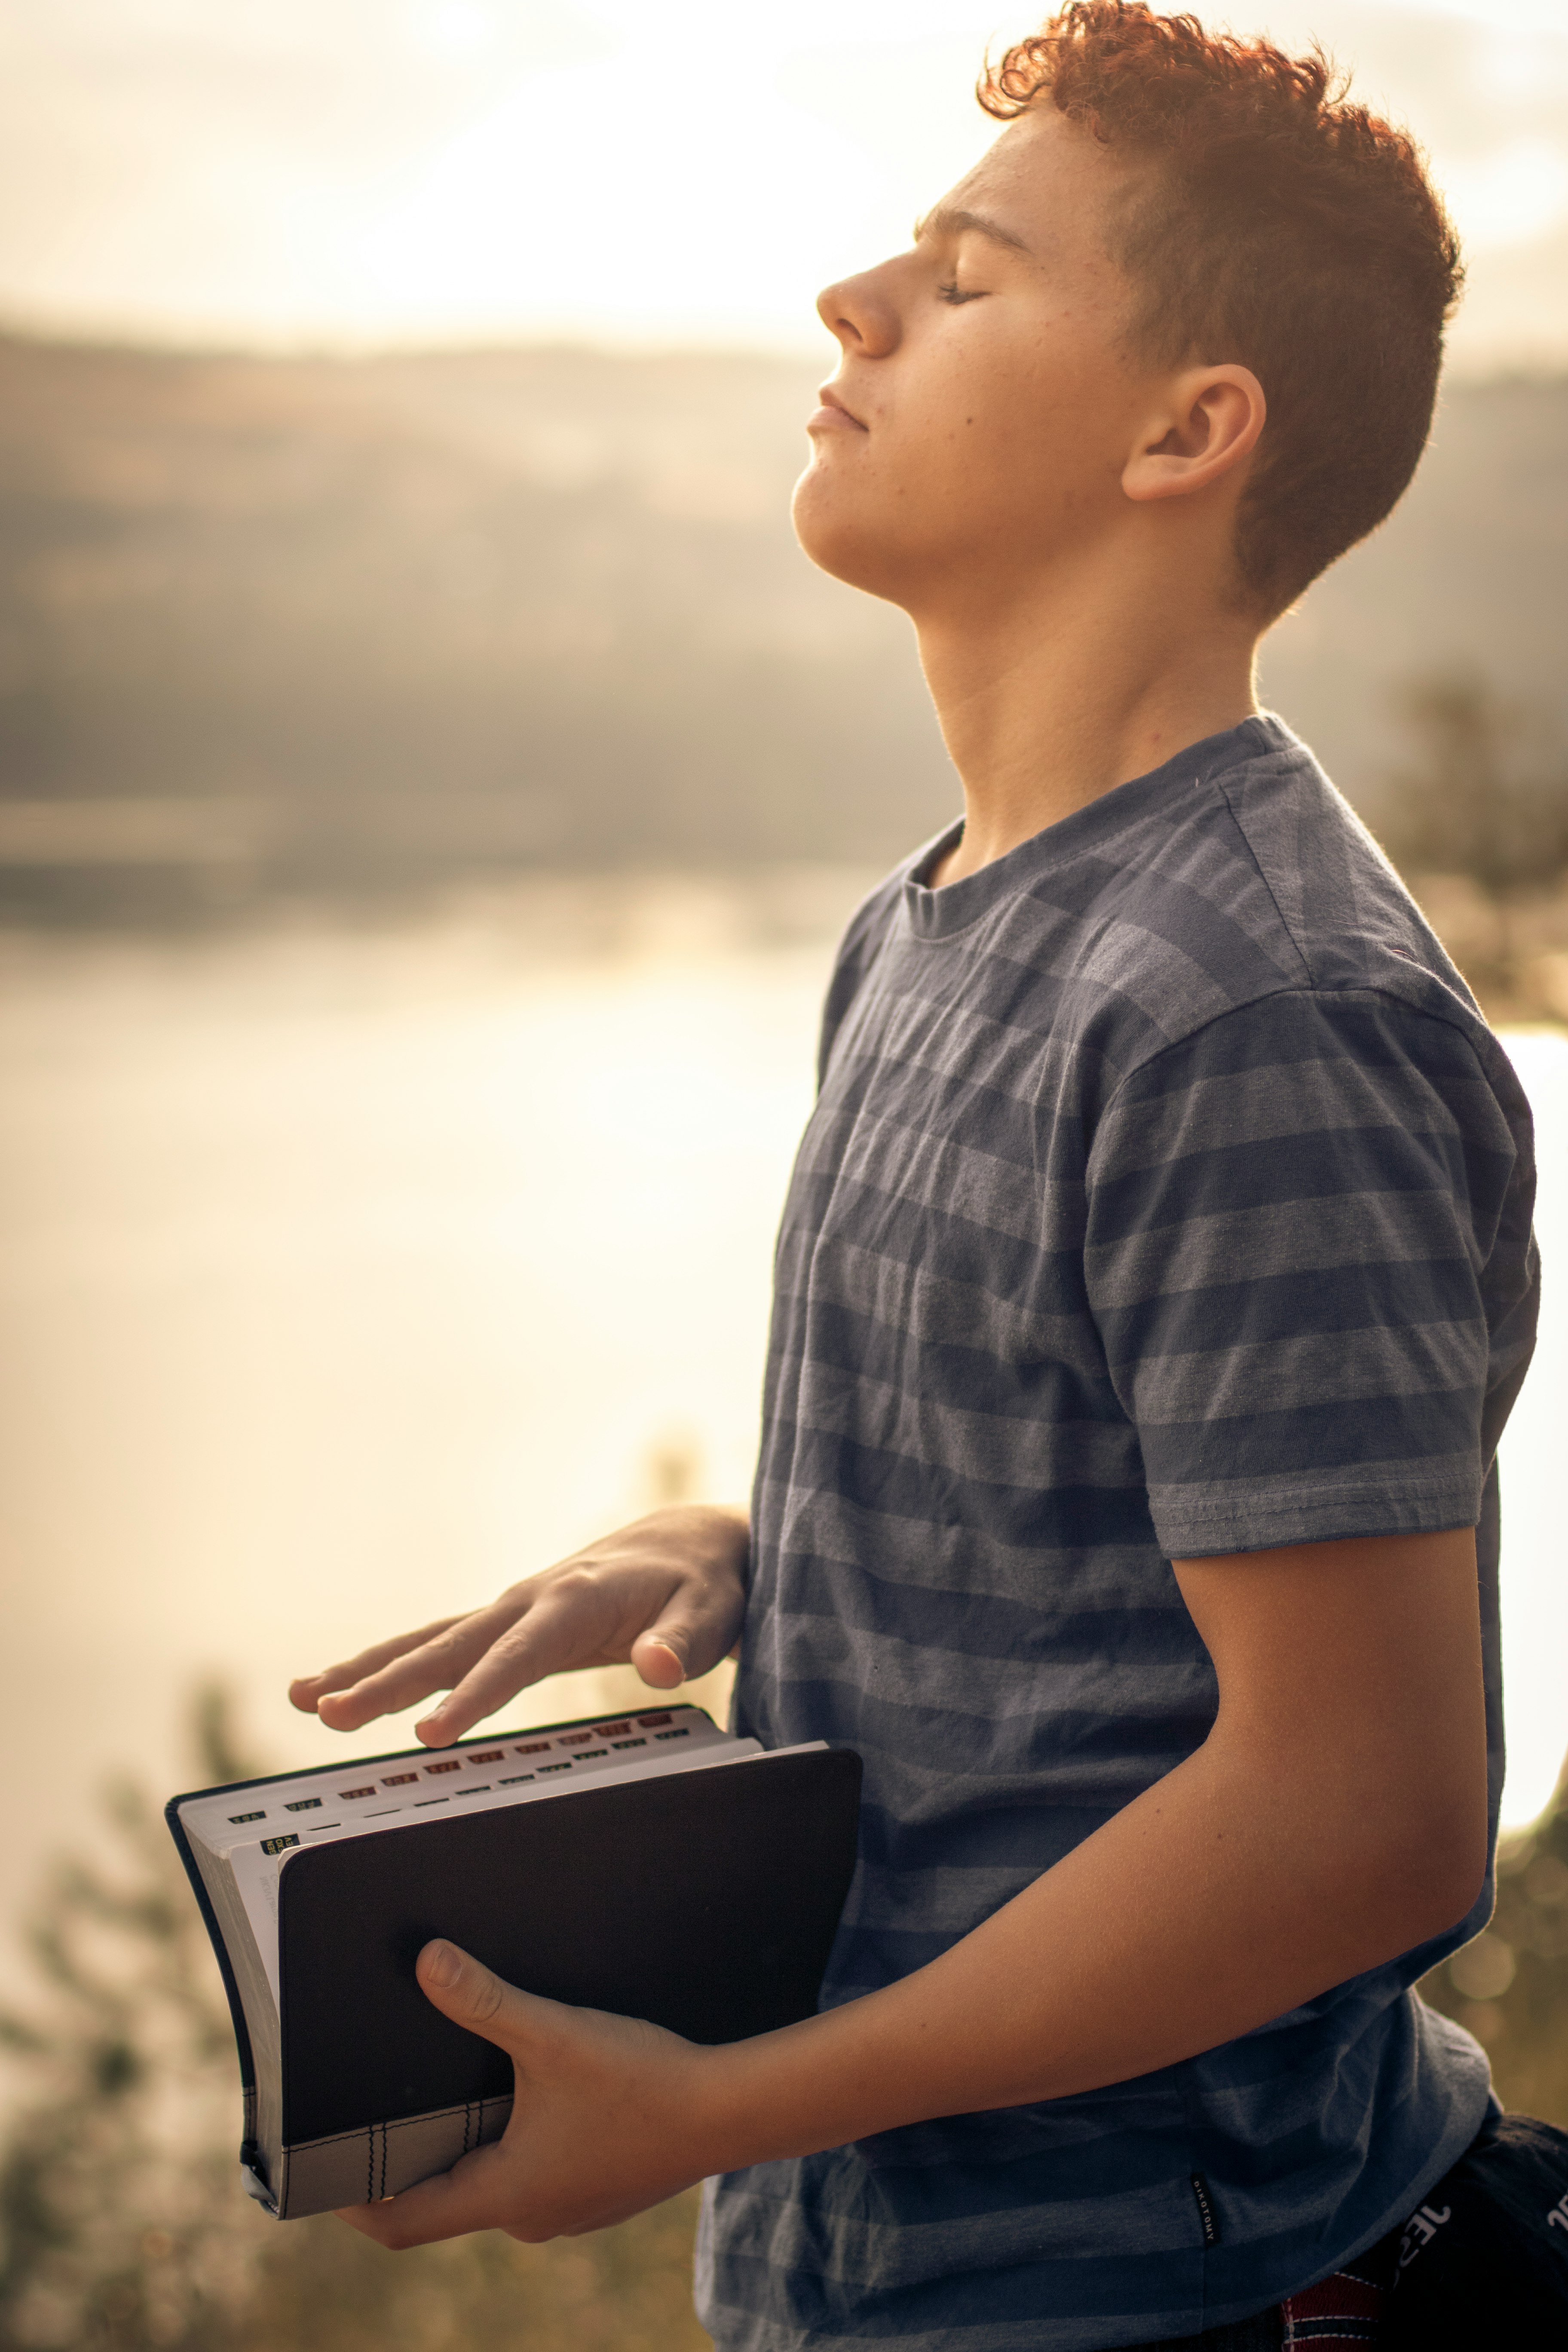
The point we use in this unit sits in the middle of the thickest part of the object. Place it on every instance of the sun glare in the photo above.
(592, 198)
(335, 170)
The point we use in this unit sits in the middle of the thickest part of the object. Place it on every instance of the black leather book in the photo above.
(651, 1865)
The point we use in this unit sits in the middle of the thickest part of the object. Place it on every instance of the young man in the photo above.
(1154, 1285)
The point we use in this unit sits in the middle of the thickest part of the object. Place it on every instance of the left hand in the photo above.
(604, 2121)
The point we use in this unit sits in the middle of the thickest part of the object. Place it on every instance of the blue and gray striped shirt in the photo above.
(1165, 1196)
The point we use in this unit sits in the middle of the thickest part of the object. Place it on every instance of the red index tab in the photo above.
(400, 1780)
(455, 1764)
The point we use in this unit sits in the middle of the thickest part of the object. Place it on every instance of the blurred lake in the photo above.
(349, 1273)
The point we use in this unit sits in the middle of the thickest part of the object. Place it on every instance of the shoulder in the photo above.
(1303, 1063)
(1335, 894)
(1240, 880)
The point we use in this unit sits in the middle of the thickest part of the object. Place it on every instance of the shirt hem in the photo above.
(1326, 1519)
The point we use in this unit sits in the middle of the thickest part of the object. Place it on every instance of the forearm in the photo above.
(1170, 1929)
(1205, 1907)
(1335, 1816)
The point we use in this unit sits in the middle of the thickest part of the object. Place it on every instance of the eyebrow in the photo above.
(950, 220)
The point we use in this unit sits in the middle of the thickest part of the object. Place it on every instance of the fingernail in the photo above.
(439, 1966)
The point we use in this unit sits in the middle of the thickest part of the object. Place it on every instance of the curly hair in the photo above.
(1281, 226)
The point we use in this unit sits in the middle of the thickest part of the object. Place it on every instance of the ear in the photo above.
(1204, 427)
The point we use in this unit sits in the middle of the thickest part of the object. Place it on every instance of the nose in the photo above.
(861, 313)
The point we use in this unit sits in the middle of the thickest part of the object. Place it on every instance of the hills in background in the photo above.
(275, 625)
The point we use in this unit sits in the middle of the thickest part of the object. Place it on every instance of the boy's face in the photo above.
(987, 401)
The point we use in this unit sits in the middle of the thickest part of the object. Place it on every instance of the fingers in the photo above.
(306, 1691)
(472, 2196)
(573, 1620)
(473, 1995)
(420, 1666)
(600, 2125)
(692, 1631)
(658, 1662)
(667, 1593)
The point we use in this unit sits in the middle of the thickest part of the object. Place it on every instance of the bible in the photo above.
(650, 1864)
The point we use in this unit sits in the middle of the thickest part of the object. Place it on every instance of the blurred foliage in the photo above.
(1476, 820)
(1486, 794)
(1509, 1987)
(123, 2224)
(123, 2228)
(1479, 822)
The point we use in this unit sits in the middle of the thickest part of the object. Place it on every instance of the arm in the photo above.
(665, 1593)
(1335, 1816)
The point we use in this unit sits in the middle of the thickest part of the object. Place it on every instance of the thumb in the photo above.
(690, 1634)
(473, 1995)
(660, 1657)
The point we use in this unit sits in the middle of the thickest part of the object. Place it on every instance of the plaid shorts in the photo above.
(1341, 2311)
(1479, 2263)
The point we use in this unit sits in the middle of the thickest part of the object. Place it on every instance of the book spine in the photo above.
(226, 1969)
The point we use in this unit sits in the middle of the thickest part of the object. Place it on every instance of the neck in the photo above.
(1059, 697)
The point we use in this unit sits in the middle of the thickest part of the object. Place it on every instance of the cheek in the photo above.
(1002, 441)
(1004, 426)
(1035, 425)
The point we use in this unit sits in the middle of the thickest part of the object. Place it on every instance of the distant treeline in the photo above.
(280, 626)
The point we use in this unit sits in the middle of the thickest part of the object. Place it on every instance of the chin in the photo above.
(838, 539)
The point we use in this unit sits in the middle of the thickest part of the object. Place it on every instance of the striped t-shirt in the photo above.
(1165, 1196)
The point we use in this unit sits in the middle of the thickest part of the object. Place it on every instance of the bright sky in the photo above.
(394, 170)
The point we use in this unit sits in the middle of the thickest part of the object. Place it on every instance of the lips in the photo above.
(831, 416)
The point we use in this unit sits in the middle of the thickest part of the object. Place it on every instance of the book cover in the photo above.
(698, 1885)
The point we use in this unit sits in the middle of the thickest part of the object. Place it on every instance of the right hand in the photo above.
(666, 1595)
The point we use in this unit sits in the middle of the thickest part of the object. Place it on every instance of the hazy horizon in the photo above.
(176, 341)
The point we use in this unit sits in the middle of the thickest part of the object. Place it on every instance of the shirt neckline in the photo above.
(942, 914)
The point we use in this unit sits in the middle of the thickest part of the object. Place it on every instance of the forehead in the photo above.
(1047, 181)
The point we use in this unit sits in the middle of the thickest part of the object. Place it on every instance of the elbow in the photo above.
(1434, 1867)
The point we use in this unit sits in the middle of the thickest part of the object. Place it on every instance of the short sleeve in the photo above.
(1293, 1220)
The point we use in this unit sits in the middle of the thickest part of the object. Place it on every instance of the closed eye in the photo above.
(955, 294)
